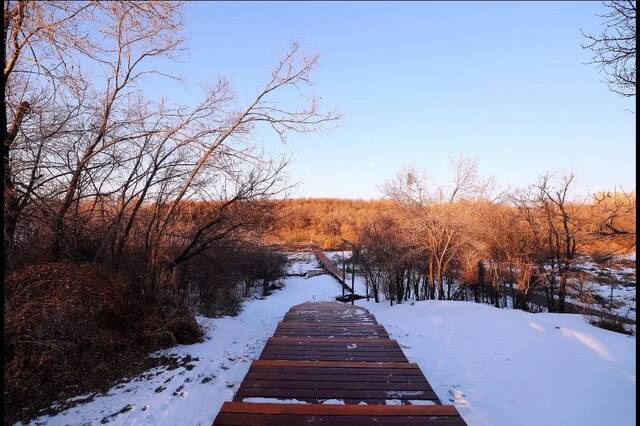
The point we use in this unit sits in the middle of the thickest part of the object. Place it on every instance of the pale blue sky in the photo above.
(418, 83)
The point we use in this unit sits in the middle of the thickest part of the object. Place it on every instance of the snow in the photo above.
(301, 263)
(262, 400)
(338, 255)
(610, 288)
(498, 366)
(421, 402)
(333, 401)
(506, 367)
(396, 394)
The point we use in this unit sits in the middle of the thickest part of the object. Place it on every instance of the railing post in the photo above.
(344, 277)
(353, 274)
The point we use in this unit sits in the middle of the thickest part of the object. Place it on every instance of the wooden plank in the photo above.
(334, 347)
(275, 356)
(354, 347)
(353, 313)
(327, 332)
(318, 355)
(291, 354)
(342, 347)
(305, 340)
(343, 309)
(372, 352)
(344, 331)
(331, 409)
(323, 329)
(356, 378)
(340, 309)
(344, 358)
(404, 372)
(349, 401)
(236, 419)
(332, 326)
(331, 333)
(337, 364)
(329, 325)
(244, 392)
(302, 384)
(344, 341)
(328, 320)
(315, 322)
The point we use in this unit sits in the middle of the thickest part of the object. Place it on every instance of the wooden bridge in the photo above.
(331, 268)
(333, 364)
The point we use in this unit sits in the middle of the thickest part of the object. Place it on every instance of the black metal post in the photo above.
(353, 273)
(344, 277)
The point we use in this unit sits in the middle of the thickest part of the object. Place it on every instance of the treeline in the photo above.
(464, 240)
(125, 214)
(456, 242)
(324, 222)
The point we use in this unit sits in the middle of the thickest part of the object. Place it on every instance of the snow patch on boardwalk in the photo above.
(261, 400)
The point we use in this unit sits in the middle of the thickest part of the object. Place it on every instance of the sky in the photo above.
(420, 83)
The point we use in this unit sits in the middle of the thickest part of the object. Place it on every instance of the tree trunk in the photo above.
(562, 293)
(10, 197)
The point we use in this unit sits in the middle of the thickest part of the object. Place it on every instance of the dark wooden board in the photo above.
(334, 409)
(358, 378)
(343, 420)
(244, 392)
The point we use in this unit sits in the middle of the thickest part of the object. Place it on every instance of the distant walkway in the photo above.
(331, 268)
(338, 354)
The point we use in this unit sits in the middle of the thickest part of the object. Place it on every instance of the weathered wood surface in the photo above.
(329, 266)
(333, 351)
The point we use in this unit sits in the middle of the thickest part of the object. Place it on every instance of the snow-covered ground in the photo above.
(509, 367)
(610, 288)
(299, 263)
(498, 366)
(337, 256)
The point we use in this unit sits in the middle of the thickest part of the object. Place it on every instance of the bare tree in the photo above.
(39, 41)
(435, 221)
(138, 32)
(554, 227)
(100, 171)
(614, 217)
(614, 50)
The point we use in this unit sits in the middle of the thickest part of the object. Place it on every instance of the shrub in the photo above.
(73, 328)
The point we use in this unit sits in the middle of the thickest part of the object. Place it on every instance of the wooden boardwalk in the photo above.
(337, 354)
(331, 267)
